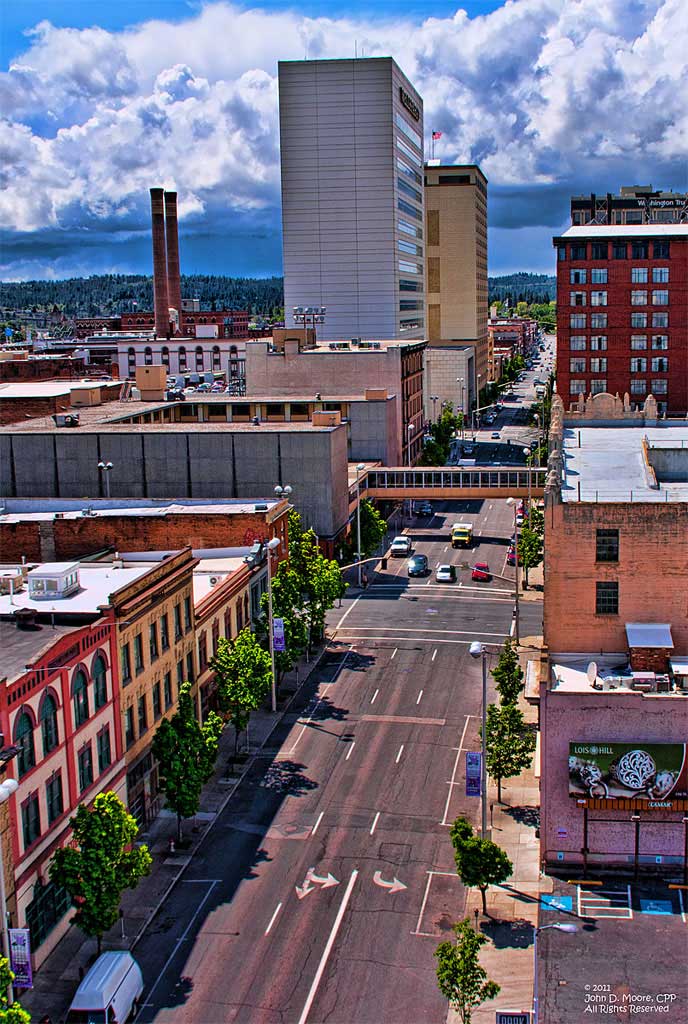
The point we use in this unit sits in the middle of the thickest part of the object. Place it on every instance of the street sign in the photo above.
(20, 957)
(278, 641)
(473, 773)
(513, 1017)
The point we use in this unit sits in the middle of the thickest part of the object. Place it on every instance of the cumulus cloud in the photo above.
(548, 96)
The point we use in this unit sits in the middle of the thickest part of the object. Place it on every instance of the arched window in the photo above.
(80, 697)
(216, 357)
(199, 357)
(131, 357)
(23, 737)
(182, 357)
(98, 672)
(49, 724)
(148, 355)
(165, 356)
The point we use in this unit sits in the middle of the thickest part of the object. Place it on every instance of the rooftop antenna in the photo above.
(355, 48)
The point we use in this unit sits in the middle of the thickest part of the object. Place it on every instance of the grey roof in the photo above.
(625, 230)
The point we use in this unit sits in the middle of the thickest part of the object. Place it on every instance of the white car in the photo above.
(400, 547)
(446, 574)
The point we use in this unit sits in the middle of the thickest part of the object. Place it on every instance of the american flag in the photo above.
(436, 135)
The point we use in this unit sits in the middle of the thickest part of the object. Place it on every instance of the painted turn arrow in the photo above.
(392, 887)
(324, 883)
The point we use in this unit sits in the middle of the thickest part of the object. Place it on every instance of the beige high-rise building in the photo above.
(456, 288)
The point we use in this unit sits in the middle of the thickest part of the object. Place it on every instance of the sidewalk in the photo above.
(513, 906)
(58, 977)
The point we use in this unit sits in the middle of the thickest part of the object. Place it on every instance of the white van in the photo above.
(109, 992)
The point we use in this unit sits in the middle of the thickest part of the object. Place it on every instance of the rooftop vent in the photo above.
(262, 507)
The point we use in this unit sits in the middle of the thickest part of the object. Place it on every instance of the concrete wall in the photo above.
(444, 367)
(373, 431)
(669, 464)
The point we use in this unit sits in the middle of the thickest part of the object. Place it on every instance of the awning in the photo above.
(679, 666)
(649, 634)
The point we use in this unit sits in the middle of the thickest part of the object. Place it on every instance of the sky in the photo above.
(102, 100)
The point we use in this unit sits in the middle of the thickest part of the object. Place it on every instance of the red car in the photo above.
(481, 572)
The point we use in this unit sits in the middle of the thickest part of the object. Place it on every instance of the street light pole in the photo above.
(7, 788)
(570, 929)
(517, 621)
(460, 380)
(271, 546)
(527, 453)
(105, 468)
(434, 399)
(477, 650)
(359, 468)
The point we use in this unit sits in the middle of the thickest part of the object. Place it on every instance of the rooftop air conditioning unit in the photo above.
(66, 419)
(261, 508)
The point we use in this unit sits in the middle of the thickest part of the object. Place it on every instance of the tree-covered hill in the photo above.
(522, 287)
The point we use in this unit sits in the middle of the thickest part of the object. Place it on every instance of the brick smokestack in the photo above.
(162, 312)
(174, 289)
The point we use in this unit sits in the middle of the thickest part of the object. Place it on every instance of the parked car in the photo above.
(400, 547)
(203, 387)
(446, 574)
(481, 572)
(189, 390)
(468, 448)
(217, 388)
(174, 395)
(511, 556)
(495, 435)
(418, 565)
(110, 990)
(424, 508)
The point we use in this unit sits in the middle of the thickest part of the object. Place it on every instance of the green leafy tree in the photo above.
(243, 674)
(479, 862)
(186, 753)
(320, 577)
(508, 674)
(373, 527)
(10, 1013)
(461, 979)
(288, 605)
(536, 520)
(530, 550)
(509, 743)
(100, 863)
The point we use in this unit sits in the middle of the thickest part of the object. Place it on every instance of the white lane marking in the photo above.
(272, 919)
(328, 948)
(372, 699)
(419, 697)
(375, 821)
(349, 751)
(348, 610)
(394, 653)
(456, 765)
(417, 930)
(420, 639)
(315, 827)
(420, 629)
(513, 627)
(680, 899)
(398, 757)
(434, 654)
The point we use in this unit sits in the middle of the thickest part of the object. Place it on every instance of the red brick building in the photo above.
(622, 313)
(231, 323)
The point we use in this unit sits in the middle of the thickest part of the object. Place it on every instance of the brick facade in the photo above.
(16, 410)
(42, 368)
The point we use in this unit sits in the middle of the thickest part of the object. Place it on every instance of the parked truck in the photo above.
(462, 535)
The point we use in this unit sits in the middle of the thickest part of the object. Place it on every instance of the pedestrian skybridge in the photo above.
(454, 482)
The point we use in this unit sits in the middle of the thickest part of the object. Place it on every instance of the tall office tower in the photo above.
(456, 284)
(351, 139)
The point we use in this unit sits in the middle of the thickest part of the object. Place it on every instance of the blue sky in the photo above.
(550, 97)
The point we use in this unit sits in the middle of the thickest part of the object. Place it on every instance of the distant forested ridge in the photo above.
(112, 294)
(522, 287)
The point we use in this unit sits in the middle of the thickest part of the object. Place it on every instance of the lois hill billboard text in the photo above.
(407, 102)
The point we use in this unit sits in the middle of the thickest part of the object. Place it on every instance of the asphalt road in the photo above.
(328, 881)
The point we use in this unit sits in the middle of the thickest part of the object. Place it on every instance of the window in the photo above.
(598, 366)
(409, 286)
(598, 387)
(639, 250)
(406, 208)
(125, 661)
(167, 689)
(638, 297)
(638, 365)
(148, 356)
(131, 359)
(165, 356)
(577, 343)
(598, 276)
(138, 653)
(407, 151)
(598, 298)
(215, 635)
(409, 172)
(577, 320)
(598, 320)
(49, 724)
(129, 734)
(190, 667)
(660, 250)
(142, 714)
(660, 342)
(216, 357)
(409, 247)
(164, 632)
(598, 342)
(599, 251)
(405, 304)
(157, 703)
(660, 319)
(634, 216)
(409, 190)
(104, 753)
(561, 253)
(578, 298)
(153, 641)
(410, 229)
(177, 622)
(638, 342)
(31, 820)
(660, 364)
(187, 614)
(85, 768)
(409, 268)
(577, 365)
(660, 297)
(578, 252)
(23, 737)
(578, 276)
(53, 797)
(182, 357)
(638, 275)
(607, 598)
(199, 357)
(619, 251)
(660, 275)
(99, 682)
(408, 131)
(638, 387)
(659, 387)
(607, 546)
(638, 319)
(180, 673)
(577, 387)
(80, 697)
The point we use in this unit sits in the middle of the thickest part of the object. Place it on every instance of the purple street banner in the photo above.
(473, 773)
(20, 957)
(278, 641)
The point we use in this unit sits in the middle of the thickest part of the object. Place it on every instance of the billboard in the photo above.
(20, 957)
(278, 638)
(652, 775)
(473, 773)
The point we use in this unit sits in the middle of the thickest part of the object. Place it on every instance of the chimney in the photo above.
(162, 311)
(174, 290)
